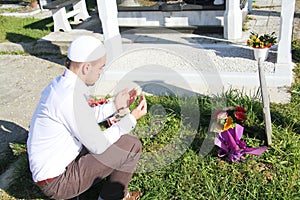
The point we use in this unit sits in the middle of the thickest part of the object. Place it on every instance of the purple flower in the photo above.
(232, 147)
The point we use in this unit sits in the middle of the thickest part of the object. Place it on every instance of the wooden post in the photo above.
(108, 14)
(266, 102)
(43, 3)
(233, 20)
(284, 55)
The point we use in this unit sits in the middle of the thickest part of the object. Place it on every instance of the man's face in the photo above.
(95, 70)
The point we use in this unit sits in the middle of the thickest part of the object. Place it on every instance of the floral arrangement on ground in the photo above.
(229, 138)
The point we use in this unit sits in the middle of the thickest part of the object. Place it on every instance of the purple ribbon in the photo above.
(232, 147)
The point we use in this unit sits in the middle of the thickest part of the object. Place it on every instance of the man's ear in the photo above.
(85, 68)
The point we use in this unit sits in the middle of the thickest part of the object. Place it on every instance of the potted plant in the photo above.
(261, 44)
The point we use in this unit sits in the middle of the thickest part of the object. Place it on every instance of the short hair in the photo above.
(68, 63)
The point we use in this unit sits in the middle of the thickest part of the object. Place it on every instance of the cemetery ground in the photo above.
(273, 175)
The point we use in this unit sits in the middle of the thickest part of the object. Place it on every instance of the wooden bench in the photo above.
(59, 8)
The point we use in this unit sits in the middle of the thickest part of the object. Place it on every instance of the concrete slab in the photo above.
(209, 54)
(204, 69)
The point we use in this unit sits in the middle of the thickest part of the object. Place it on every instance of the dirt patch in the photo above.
(22, 80)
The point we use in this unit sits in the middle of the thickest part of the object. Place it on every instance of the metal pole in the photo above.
(266, 102)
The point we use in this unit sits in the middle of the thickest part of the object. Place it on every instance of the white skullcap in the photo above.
(86, 49)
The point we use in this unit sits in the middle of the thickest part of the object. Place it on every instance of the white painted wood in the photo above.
(108, 14)
(184, 18)
(43, 3)
(261, 55)
(284, 55)
(72, 13)
(60, 20)
(60, 16)
(233, 20)
(82, 11)
(266, 101)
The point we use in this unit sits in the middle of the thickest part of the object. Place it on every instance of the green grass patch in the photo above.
(296, 50)
(274, 174)
(13, 29)
(9, 10)
(23, 53)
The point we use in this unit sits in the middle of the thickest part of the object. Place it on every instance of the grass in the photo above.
(29, 29)
(10, 10)
(16, 30)
(274, 175)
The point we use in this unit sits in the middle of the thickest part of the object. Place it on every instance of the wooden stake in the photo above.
(266, 102)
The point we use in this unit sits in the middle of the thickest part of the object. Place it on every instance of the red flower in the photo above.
(91, 102)
(240, 115)
(96, 102)
(240, 109)
(101, 101)
(269, 45)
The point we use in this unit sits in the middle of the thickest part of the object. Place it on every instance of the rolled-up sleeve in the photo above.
(127, 123)
(102, 112)
(87, 130)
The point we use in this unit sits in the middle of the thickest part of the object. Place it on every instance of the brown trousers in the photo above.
(118, 162)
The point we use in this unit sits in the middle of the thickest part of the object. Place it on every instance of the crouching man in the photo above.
(67, 149)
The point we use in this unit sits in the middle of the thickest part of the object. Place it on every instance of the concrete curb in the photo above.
(246, 81)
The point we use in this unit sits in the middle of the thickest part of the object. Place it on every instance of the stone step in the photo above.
(176, 14)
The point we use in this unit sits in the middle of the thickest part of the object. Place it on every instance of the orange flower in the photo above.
(228, 124)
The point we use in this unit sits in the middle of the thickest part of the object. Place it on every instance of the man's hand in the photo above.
(141, 109)
(132, 96)
(124, 98)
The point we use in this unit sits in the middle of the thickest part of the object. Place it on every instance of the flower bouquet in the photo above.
(228, 117)
(261, 41)
(229, 140)
(94, 102)
(261, 44)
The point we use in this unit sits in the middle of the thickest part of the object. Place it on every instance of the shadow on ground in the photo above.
(15, 178)
(42, 49)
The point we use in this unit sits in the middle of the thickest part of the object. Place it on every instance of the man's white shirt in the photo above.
(63, 122)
